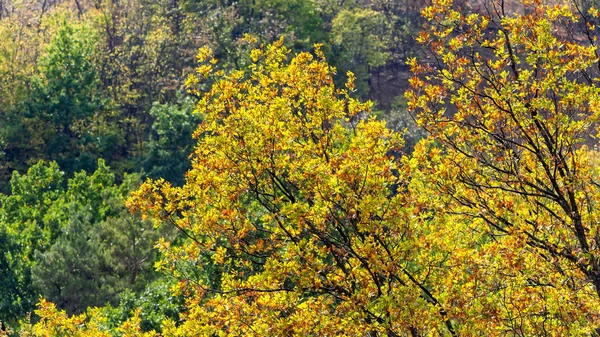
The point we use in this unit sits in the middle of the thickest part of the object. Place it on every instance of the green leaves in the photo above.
(65, 96)
(171, 141)
(71, 241)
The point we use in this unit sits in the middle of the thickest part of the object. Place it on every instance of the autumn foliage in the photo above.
(301, 215)
(291, 204)
(512, 101)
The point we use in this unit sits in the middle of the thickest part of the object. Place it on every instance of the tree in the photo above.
(27, 211)
(22, 40)
(156, 304)
(291, 223)
(64, 98)
(75, 272)
(54, 322)
(101, 249)
(512, 102)
(360, 36)
(27, 224)
(171, 141)
(73, 241)
(14, 281)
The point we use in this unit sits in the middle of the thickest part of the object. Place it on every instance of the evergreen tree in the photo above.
(74, 273)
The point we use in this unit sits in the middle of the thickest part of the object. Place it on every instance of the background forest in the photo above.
(299, 167)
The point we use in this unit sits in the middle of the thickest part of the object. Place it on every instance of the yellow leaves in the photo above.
(559, 11)
(427, 12)
(449, 57)
(415, 82)
(54, 322)
(436, 7)
(131, 327)
(204, 71)
(255, 55)
(318, 52)
(350, 81)
(484, 197)
(249, 38)
(204, 54)
(288, 175)
(423, 37)
(295, 198)
(219, 256)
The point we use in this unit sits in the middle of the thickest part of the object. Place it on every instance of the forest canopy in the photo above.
(307, 167)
